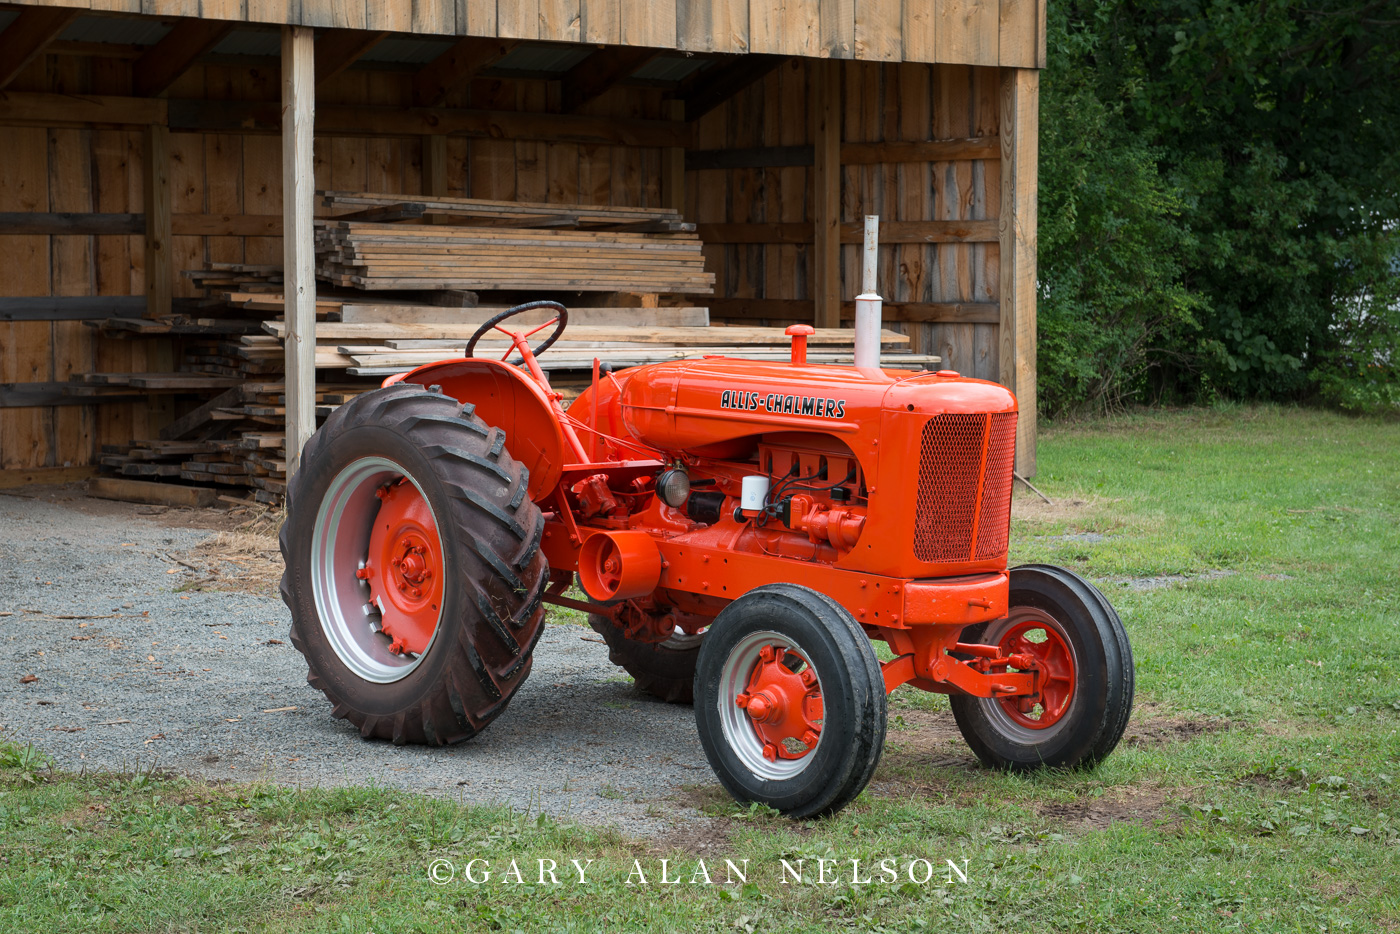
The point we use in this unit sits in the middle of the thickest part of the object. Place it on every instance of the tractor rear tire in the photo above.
(665, 670)
(486, 614)
(825, 679)
(1073, 613)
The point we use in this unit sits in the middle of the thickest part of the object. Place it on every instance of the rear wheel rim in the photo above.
(357, 592)
(1058, 664)
(772, 721)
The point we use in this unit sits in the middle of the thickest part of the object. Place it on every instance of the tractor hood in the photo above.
(711, 407)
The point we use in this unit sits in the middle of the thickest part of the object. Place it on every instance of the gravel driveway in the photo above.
(208, 684)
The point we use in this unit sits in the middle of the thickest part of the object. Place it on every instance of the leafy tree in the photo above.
(1220, 201)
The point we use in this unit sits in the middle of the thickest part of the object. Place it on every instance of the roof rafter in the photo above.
(710, 87)
(452, 69)
(338, 49)
(592, 77)
(162, 64)
(26, 37)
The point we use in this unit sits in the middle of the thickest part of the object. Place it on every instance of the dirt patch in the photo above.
(1155, 732)
(917, 743)
(694, 838)
(1130, 805)
(1026, 505)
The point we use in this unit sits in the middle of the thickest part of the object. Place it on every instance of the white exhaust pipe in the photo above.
(868, 302)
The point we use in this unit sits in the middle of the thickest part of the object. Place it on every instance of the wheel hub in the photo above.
(404, 568)
(783, 706)
(1053, 662)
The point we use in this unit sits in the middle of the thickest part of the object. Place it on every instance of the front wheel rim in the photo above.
(1058, 665)
(366, 603)
(770, 705)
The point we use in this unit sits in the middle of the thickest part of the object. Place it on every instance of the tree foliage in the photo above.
(1220, 201)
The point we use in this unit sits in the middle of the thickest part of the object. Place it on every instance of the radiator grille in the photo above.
(962, 508)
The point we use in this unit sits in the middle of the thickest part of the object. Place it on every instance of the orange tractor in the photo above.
(743, 532)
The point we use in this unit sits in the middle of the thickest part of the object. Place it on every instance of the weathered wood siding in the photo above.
(968, 32)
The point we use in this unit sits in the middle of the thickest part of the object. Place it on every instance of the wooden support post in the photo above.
(826, 128)
(155, 177)
(673, 166)
(298, 248)
(1020, 114)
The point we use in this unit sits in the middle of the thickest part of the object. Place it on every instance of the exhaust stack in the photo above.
(868, 302)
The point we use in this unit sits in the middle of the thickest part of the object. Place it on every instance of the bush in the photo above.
(1220, 202)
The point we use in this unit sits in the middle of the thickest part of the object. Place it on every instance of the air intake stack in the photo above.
(868, 302)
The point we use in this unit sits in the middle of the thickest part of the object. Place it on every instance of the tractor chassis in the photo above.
(920, 620)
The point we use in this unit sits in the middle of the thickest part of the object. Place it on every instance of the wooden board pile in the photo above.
(485, 245)
(235, 439)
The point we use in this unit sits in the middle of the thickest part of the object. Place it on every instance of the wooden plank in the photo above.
(673, 167)
(451, 71)
(600, 21)
(26, 37)
(648, 23)
(967, 32)
(920, 24)
(13, 478)
(826, 198)
(518, 19)
(298, 107)
(338, 49)
(432, 17)
(162, 64)
(434, 167)
(71, 307)
(146, 491)
(1019, 22)
(954, 231)
(70, 189)
(676, 336)
(790, 28)
(159, 269)
(712, 25)
(70, 223)
(838, 28)
(599, 72)
(1020, 112)
(879, 30)
(476, 17)
(389, 15)
(559, 20)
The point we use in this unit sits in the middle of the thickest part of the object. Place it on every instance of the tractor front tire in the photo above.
(790, 701)
(413, 570)
(1078, 720)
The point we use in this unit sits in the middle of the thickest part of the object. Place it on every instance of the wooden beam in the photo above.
(55, 224)
(338, 49)
(71, 307)
(760, 157)
(890, 232)
(1020, 113)
(714, 85)
(298, 249)
(146, 491)
(25, 38)
(162, 64)
(826, 181)
(155, 177)
(23, 108)
(451, 70)
(596, 74)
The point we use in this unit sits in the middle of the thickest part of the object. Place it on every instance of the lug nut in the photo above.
(363, 574)
(742, 700)
(770, 752)
(809, 739)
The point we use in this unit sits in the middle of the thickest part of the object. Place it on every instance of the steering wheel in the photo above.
(518, 340)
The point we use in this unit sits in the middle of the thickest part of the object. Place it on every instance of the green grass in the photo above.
(1259, 789)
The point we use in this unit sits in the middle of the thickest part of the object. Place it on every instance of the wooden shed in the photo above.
(145, 137)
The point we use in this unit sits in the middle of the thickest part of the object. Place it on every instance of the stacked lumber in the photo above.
(392, 256)
(234, 440)
(369, 206)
